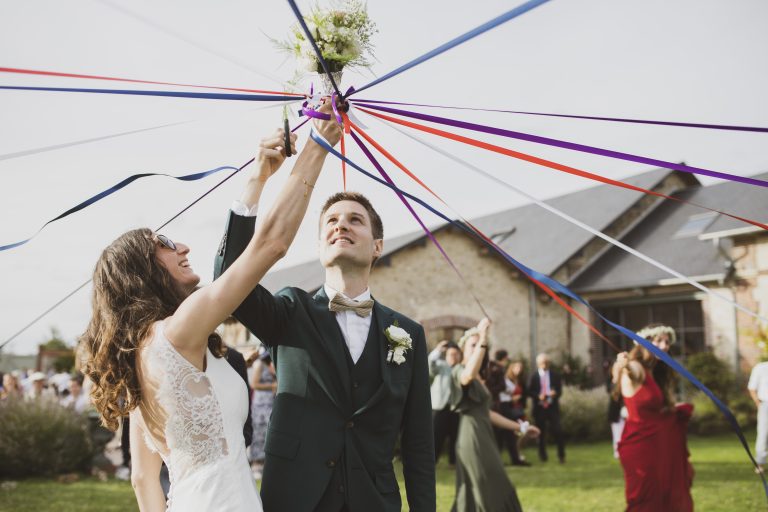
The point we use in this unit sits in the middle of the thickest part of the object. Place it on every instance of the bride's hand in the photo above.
(272, 154)
(532, 432)
(330, 130)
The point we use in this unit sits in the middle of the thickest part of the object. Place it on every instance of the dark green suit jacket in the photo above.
(314, 422)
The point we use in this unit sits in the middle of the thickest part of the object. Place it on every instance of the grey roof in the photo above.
(539, 239)
(656, 237)
(543, 241)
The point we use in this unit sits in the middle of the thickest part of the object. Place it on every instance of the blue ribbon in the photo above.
(101, 195)
(173, 94)
(495, 22)
(557, 286)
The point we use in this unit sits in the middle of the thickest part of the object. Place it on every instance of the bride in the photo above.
(151, 350)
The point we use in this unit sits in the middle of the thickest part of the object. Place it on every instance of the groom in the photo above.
(344, 393)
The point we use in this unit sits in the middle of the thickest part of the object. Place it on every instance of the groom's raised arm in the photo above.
(417, 442)
(261, 312)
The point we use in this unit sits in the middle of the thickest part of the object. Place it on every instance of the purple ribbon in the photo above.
(569, 116)
(567, 145)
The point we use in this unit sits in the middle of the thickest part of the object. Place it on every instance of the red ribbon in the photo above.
(130, 80)
(552, 165)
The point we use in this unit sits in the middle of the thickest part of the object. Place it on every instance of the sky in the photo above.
(680, 60)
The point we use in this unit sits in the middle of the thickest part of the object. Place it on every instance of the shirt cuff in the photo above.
(239, 208)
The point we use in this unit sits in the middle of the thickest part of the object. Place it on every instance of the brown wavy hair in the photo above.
(131, 291)
(660, 372)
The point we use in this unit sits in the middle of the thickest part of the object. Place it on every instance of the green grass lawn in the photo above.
(590, 481)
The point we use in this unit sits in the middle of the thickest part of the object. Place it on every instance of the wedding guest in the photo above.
(442, 359)
(76, 399)
(39, 389)
(11, 387)
(481, 482)
(511, 405)
(545, 388)
(617, 415)
(653, 448)
(758, 390)
(264, 384)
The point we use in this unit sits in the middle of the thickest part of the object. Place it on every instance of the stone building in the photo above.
(720, 252)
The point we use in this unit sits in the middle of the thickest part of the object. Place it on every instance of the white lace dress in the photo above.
(195, 421)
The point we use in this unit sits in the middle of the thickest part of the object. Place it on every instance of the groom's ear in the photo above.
(378, 248)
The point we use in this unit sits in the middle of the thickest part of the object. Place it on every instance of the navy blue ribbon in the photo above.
(173, 94)
(495, 22)
(558, 287)
(111, 190)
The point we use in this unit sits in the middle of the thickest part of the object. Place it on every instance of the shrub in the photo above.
(708, 420)
(42, 438)
(713, 372)
(584, 414)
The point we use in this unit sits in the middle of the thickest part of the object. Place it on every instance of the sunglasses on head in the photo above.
(167, 242)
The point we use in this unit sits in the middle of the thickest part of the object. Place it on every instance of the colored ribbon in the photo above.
(477, 231)
(568, 145)
(535, 200)
(172, 94)
(136, 81)
(553, 165)
(311, 39)
(557, 286)
(111, 190)
(44, 149)
(415, 215)
(495, 22)
(570, 116)
(164, 224)
(73, 292)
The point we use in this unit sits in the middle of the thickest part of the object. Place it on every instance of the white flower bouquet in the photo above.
(343, 36)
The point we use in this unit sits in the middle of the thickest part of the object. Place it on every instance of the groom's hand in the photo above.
(272, 154)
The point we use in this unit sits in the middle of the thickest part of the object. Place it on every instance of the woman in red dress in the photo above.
(653, 448)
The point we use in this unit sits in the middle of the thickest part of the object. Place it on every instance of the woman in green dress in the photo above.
(482, 485)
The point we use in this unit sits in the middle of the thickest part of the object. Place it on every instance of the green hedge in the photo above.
(41, 438)
(584, 414)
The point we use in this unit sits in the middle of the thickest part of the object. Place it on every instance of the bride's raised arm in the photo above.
(205, 309)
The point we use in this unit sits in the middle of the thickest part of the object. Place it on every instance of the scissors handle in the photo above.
(287, 130)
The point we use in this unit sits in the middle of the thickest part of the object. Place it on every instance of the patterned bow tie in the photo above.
(341, 303)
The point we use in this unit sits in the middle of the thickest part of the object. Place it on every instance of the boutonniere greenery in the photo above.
(399, 343)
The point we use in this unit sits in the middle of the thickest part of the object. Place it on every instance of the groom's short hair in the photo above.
(377, 227)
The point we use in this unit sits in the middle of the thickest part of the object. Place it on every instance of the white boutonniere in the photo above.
(399, 343)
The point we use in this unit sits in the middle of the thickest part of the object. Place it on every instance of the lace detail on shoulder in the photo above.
(194, 429)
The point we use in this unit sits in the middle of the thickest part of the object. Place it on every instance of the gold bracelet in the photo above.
(308, 185)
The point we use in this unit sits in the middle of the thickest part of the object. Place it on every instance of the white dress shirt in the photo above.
(354, 327)
(758, 381)
(545, 383)
(239, 208)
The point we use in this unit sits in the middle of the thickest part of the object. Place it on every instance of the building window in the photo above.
(686, 317)
(695, 225)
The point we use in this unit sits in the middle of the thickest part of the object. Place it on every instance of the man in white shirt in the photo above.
(758, 390)
(545, 388)
(76, 399)
(442, 359)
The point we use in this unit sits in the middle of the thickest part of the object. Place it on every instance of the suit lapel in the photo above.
(381, 320)
(333, 342)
